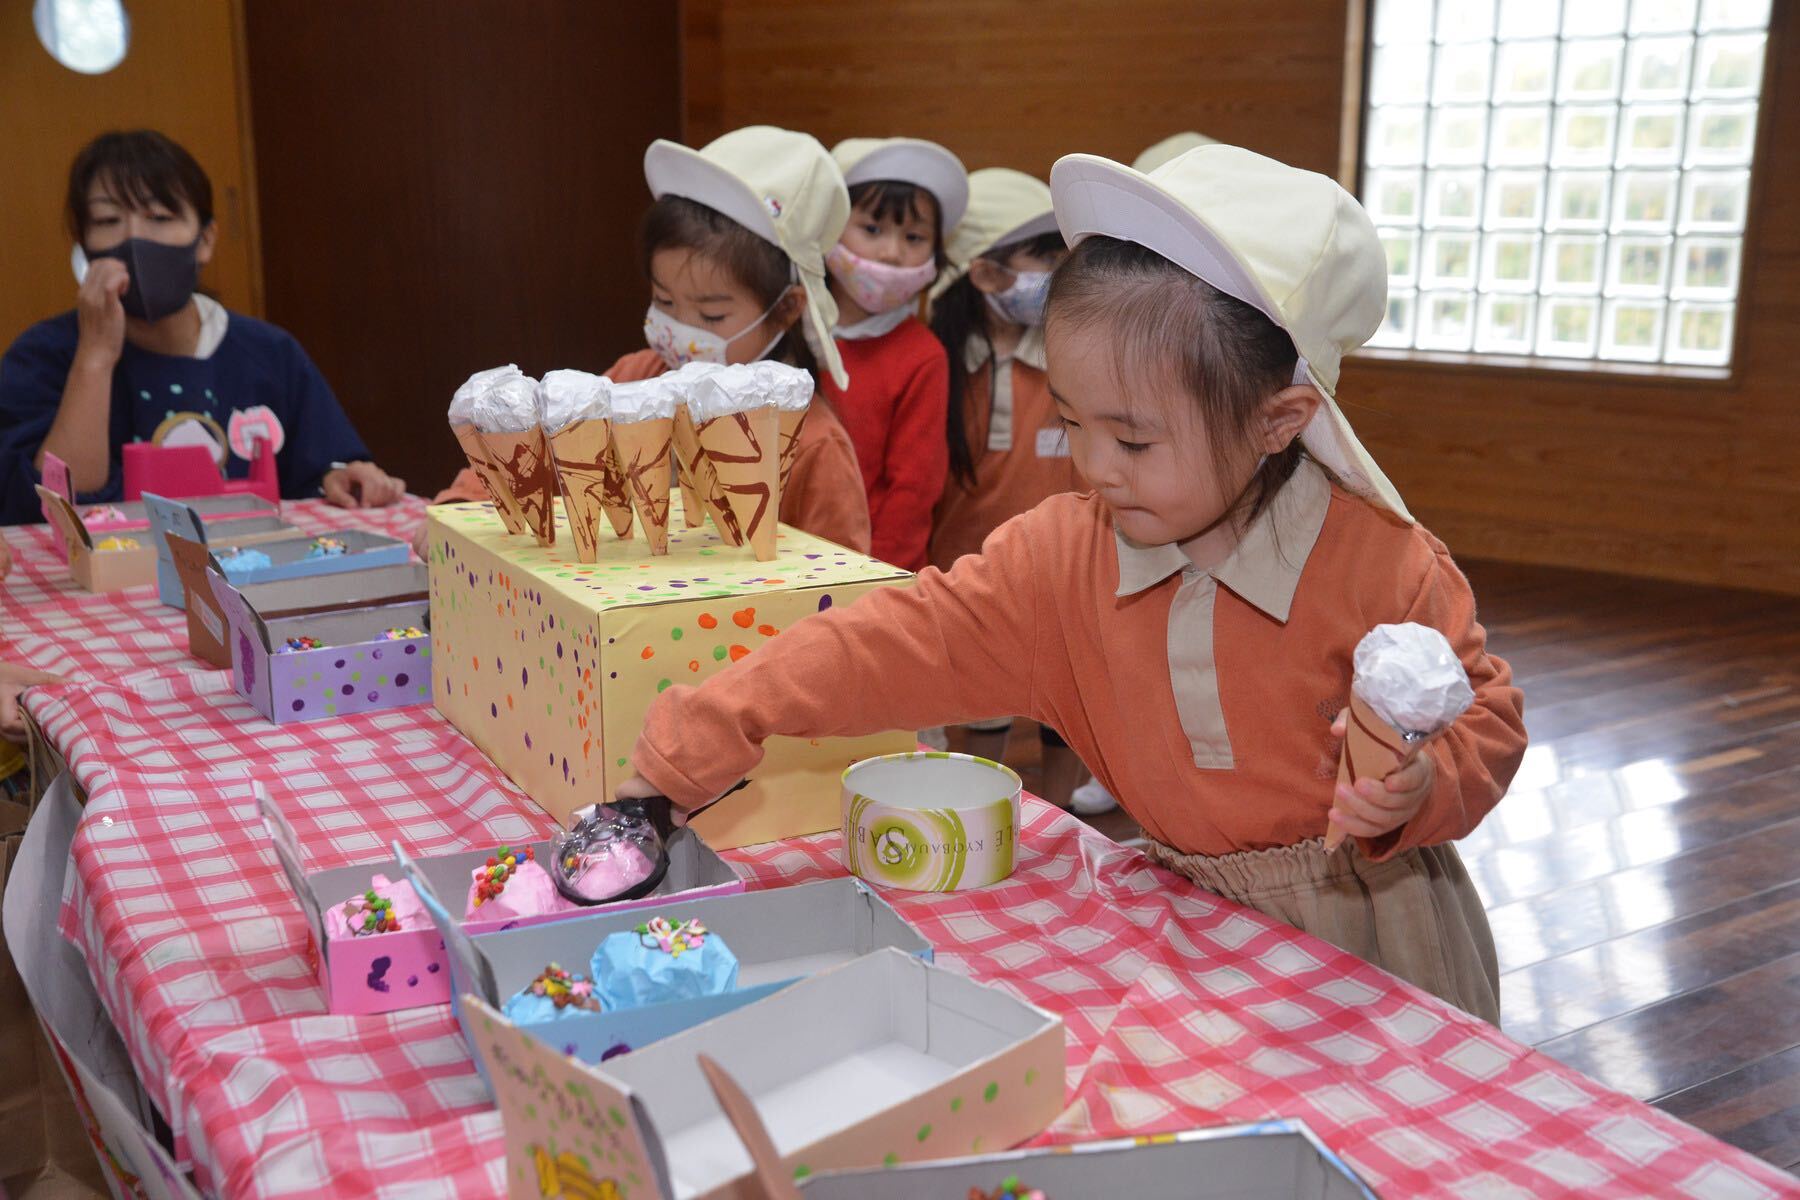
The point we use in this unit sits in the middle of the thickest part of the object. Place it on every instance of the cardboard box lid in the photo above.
(699, 565)
(1267, 1160)
(817, 1060)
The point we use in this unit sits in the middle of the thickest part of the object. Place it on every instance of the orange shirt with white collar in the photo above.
(1020, 448)
(1202, 699)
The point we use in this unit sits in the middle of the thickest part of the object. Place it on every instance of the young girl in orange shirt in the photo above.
(1189, 625)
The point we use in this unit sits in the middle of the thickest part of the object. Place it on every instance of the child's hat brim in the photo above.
(909, 160)
(672, 169)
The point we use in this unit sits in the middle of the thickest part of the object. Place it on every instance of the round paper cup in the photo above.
(930, 821)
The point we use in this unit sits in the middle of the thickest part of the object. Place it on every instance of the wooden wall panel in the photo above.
(450, 187)
(1681, 479)
(180, 75)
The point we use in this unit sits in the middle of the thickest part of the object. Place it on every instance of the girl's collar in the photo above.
(878, 325)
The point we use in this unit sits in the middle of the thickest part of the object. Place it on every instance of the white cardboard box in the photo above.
(885, 1059)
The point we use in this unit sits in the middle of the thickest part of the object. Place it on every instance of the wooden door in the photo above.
(451, 187)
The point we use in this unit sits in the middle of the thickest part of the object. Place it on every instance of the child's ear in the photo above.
(1286, 414)
(209, 237)
(790, 308)
(989, 276)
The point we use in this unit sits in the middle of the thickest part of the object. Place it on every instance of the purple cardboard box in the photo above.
(357, 669)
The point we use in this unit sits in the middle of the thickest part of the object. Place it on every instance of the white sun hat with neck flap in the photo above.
(908, 160)
(1290, 243)
(1005, 206)
(783, 187)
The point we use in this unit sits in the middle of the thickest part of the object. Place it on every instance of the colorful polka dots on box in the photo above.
(549, 664)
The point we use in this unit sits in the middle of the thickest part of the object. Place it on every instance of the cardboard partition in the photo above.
(357, 670)
(92, 568)
(1269, 1160)
(779, 935)
(406, 968)
(289, 558)
(198, 521)
(885, 1059)
(549, 664)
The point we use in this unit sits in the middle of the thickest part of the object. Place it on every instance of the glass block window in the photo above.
(1563, 178)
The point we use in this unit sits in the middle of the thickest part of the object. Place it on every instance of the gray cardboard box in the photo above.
(1270, 1160)
(779, 935)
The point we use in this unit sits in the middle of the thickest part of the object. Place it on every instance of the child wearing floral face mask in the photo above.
(734, 250)
(905, 196)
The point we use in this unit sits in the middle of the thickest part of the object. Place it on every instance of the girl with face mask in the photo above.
(905, 195)
(144, 354)
(733, 249)
(1005, 446)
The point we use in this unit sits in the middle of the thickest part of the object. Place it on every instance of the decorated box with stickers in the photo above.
(549, 663)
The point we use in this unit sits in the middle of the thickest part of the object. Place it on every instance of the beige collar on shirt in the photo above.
(1264, 569)
(1030, 350)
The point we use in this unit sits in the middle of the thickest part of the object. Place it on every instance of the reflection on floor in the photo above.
(1643, 875)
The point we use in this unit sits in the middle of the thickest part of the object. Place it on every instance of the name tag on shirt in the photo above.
(1053, 442)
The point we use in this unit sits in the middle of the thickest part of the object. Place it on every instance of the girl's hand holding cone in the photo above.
(1368, 808)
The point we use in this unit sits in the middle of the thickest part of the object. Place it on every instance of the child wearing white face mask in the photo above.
(905, 194)
(734, 251)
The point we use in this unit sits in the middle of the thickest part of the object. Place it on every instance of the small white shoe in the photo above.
(1090, 799)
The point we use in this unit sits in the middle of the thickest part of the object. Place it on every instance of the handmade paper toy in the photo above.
(462, 424)
(1408, 688)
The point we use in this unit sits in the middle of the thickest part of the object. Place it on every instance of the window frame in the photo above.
(1358, 63)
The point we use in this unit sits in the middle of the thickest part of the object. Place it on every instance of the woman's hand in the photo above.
(100, 315)
(362, 485)
(13, 681)
(1368, 808)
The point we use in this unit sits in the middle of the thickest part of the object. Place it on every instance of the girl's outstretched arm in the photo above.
(950, 648)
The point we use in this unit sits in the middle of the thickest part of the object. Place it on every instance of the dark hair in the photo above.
(140, 167)
(892, 200)
(959, 314)
(677, 223)
(1169, 326)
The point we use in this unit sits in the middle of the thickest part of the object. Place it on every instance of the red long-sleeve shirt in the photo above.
(894, 412)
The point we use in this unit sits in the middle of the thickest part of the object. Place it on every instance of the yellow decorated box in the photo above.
(549, 664)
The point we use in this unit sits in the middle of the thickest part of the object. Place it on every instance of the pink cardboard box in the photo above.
(408, 968)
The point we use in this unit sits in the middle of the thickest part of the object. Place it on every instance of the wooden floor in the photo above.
(1643, 875)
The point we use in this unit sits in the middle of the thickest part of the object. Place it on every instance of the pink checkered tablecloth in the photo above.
(48, 623)
(1182, 1010)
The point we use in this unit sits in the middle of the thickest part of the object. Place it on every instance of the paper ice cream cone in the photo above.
(693, 508)
(791, 420)
(523, 463)
(1372, 749)
(743, 451)
(698, 473)
(591, 483)
(642, 448)
(469, 438)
